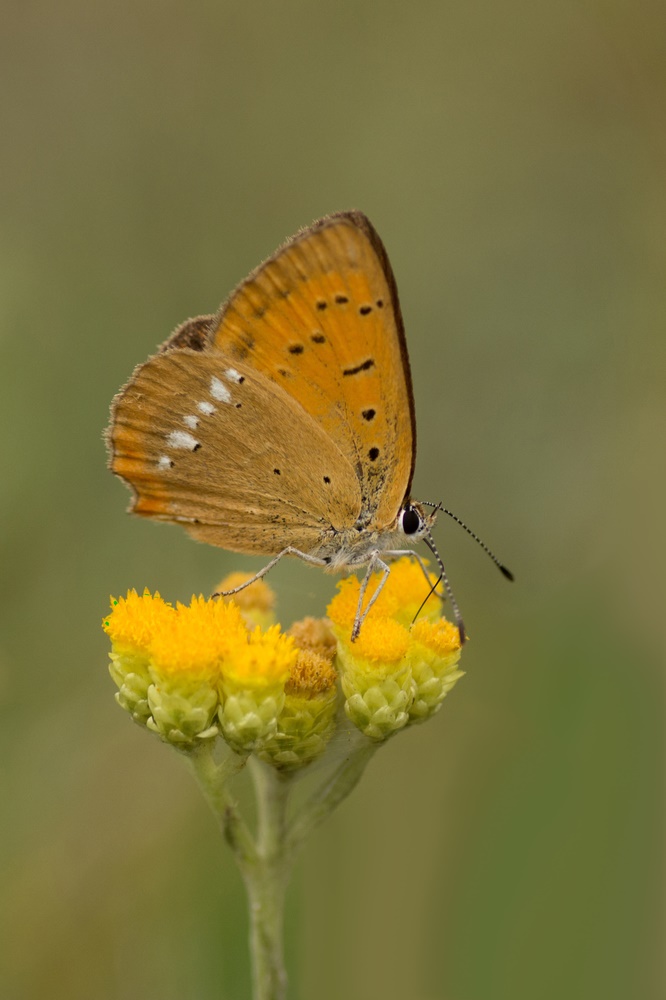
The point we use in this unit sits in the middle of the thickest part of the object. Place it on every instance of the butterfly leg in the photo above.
(289, 551)
(374, 564)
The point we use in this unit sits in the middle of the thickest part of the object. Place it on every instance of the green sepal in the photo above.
(246, 721)
(378, 708)
(182, 716)
(130, 675)
(304, 728)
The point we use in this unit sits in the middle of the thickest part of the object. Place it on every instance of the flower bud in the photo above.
(307, 720)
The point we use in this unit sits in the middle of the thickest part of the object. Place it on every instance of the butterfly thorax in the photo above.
(350, 547)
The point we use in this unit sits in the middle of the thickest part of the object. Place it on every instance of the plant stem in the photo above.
(213, 779)
(266, 879)
(265, 861)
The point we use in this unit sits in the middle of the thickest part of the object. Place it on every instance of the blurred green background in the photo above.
(512, 157)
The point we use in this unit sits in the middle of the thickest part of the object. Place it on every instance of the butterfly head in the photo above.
(414, 522)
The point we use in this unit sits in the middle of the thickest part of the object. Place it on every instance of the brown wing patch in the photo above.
(209, 442)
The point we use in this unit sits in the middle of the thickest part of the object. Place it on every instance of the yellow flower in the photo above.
(186, 656)
(251, 687)
(191, 645)
(130, 625)
(134, 619)
(393, 674)
(195, 671)
(434, 655)
(307, 720)
(403, 593)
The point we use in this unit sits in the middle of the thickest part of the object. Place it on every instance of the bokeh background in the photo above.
(513, 158)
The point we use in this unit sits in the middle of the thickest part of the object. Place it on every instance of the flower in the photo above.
(179, 669)
(307, 720)
(393, 675)
(251, 687)
(130, 625)
(214, 668)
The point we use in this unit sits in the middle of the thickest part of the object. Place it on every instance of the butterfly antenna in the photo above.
(425, 600)
(501, 567)
(430, 542)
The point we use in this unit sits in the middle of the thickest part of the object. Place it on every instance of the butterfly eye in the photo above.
(411, 521)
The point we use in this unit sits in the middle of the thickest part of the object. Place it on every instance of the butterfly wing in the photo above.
(321, 318)
(219, 448)
(289, 416)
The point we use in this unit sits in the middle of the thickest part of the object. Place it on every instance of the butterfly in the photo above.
(284, 424)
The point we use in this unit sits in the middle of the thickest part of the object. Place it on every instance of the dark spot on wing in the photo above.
(193, 334)
(341, 299)
(276, 472)
(369, 414)
(380, 303)
(321, 304)
(327, 479)
(296, 349)
(318, 338)
(197, 446)
(363, 367)
(364, 310)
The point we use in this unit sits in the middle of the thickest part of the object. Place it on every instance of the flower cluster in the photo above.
(222, 668)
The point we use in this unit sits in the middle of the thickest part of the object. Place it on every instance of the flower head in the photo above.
(393, 675)
(179, 668)
(130, 625)
(307, 720)
(196, 671)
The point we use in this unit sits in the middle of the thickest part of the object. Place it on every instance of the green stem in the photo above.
(266, 879)
(213, 779)
(265, 861)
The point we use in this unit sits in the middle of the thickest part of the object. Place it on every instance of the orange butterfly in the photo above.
(284, 425)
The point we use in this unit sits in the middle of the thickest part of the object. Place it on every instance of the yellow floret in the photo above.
(263, 661)
(401, 596)
(442, 636)
(315, 635)
(381, 641)
(196, 639)
(311, 674)
(135, 619)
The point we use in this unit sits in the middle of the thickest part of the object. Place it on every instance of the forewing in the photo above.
(321, 318)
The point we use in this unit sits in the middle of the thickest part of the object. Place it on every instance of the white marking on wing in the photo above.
(164, 462)
(191, 420)
(181, 439)
(206, 408)
(218, 390)
(233, 375)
